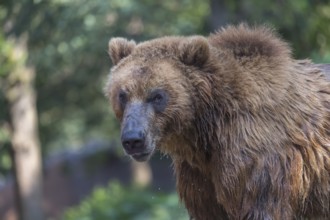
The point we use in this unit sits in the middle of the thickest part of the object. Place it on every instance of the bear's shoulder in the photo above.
(243, 41)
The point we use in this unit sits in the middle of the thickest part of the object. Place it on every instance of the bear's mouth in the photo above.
(140, 157)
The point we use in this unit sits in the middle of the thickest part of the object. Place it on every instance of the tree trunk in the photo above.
(24, 140)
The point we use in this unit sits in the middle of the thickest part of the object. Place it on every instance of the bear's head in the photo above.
(152, 92)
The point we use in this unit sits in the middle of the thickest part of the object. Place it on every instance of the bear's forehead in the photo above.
(133, 70)
(160, 48)
(139, 75)
(137, 69)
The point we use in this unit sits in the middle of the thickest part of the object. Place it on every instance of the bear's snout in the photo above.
(134, 132)
(133, 141)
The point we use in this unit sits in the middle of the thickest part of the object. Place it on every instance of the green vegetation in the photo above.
(127, 203)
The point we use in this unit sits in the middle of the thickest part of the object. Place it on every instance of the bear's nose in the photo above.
(133, 141)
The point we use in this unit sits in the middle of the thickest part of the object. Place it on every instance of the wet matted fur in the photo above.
(247, 126)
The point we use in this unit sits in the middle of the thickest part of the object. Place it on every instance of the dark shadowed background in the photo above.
(60, 157)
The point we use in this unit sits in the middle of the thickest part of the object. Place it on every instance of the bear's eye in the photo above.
(158, 98)
(122, 97)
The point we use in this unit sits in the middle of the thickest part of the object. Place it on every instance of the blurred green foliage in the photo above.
(8, 62)
(7, 59)
(127, 203)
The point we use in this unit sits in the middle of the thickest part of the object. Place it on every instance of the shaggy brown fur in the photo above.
(247, 126)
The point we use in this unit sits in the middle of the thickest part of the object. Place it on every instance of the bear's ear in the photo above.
(120, 48)
(194, 51)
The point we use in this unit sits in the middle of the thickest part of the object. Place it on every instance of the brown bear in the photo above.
(247, 126)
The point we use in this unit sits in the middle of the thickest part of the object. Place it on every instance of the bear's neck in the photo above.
(184, 147)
